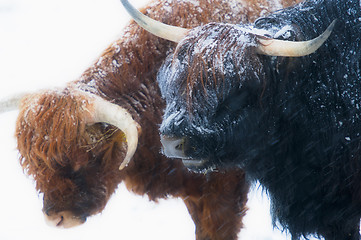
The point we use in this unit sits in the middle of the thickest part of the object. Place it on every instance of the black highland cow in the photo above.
(288, 112)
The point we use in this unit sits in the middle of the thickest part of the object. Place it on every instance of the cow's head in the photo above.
(70, 143)
(212, 83)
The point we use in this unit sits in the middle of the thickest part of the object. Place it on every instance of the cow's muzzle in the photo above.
(180, 148)
(64, 219)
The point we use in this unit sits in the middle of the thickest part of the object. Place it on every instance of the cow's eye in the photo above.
(232, 105)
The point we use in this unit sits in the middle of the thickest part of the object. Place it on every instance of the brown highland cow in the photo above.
(80, 142)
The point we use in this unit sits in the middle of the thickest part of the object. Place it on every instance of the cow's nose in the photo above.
(173, 147)
(181, 148)
(64, 219)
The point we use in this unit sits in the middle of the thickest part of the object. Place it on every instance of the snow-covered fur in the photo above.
(76, 165)
(294, 124)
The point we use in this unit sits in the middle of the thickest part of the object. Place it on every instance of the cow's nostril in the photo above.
(180, 146)
(60, 222)
(173, 147)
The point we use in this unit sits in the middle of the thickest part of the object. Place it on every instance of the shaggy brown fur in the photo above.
(76, 165)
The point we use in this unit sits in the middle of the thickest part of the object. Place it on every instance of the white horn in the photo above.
(105, 111)
(11, 103)
(281, 48)
(157, 28)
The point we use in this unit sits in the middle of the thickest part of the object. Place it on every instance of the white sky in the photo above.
(46, 43)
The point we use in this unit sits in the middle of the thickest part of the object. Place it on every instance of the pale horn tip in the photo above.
(11, 102)
(172, 33)
(283, 48)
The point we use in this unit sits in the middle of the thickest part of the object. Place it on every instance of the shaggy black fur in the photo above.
(294, 124)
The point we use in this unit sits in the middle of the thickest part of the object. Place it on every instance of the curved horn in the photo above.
(105, 111)
(159, 29)
(274, 47)
(11, 102)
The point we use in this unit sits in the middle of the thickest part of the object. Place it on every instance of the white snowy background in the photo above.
(46, 43)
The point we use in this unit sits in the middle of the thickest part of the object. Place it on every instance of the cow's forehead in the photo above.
(207, 62)
(211, 37)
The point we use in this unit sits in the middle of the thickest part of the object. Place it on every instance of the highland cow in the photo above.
(73, 141)
(281, 99)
